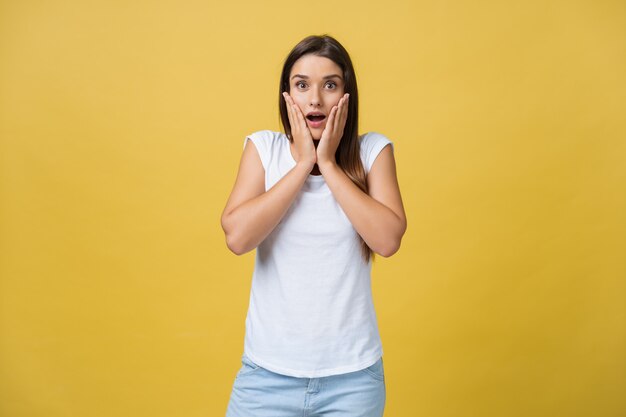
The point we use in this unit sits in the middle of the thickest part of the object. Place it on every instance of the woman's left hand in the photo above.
(331, 136)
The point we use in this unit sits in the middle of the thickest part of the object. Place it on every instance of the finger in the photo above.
(288, 105)
(340, 107)
(331, 119)
(293, 117)
(345, 111)
(292, 108)
(301, 117)
(299, 113)
(299, 121)
(339, 113)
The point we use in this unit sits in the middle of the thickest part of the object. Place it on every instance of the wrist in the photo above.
(305, 166)
(327, 166)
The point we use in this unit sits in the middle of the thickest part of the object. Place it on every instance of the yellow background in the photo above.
(122, 124)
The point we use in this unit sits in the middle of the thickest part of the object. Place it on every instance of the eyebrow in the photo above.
(325, 77)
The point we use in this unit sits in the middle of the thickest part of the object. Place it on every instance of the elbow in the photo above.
(389, 249)
(235, 246)
(235, 249)
(232, 242)
(392, 245)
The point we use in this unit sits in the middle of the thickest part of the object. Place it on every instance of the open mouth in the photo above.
(316, 117)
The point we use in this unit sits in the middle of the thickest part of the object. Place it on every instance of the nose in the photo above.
(315, 98)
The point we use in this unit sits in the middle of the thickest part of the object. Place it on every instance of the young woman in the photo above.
(316, 202)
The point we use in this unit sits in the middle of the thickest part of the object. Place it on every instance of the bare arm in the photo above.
(251, 213)
(378, 217)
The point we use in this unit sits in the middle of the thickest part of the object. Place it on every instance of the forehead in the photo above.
(315, 66)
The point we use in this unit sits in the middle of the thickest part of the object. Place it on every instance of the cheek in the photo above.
(337, 99)
(299, 100)
(302, 103)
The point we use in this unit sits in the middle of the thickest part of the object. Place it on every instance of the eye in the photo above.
(332, 83)
(298, 83)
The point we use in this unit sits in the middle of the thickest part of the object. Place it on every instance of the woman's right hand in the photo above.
(302, 138)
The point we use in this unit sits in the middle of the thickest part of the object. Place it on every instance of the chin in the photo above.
(316, 135)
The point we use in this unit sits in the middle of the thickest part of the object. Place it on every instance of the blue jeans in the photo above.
(258, 392)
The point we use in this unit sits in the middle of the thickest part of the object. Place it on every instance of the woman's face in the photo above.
(316, 84)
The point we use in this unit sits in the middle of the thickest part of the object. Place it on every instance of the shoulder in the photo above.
(374, 139)
(371, 144)
(269, 144)
(264, 138)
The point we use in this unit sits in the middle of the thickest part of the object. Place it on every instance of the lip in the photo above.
(318, 123)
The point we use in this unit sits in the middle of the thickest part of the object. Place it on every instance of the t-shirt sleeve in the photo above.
(261, 140)
(372, 144)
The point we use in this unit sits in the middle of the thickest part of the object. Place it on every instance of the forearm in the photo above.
(376, 223)
(250, 223)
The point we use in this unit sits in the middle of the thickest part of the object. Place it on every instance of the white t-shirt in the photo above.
(311, 312)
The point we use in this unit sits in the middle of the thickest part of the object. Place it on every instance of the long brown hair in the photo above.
(348, 155)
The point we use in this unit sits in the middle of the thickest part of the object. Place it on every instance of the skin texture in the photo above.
(310, 91)
(251, 212)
